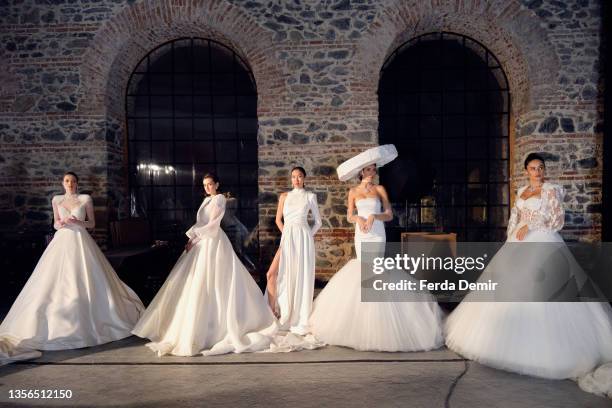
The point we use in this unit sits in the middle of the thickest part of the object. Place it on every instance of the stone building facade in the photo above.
(65, 66)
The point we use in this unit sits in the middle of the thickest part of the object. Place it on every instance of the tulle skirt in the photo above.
(545, 339)
(209, 304)
(341, 318)
(73, 299)
(550, 340)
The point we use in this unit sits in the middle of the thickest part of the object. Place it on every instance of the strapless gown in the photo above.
(341, 318)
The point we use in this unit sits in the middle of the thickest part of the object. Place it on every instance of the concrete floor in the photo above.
(127, 374)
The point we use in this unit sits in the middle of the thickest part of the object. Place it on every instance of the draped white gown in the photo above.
(209, 303)
(552, 340)
(296, 271)
(73, 298)
(340, 318)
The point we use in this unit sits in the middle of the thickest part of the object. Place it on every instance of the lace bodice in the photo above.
(544, 213)
(82, 210)
(296, 207)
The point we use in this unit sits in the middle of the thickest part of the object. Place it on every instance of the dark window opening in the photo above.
(192, 109)
(444, 102)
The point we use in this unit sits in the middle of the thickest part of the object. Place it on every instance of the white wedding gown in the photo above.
(209, 303)
(545, 339)
(296, 270)
(73, 298)
(341, 318)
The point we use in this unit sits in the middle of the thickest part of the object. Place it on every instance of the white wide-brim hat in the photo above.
(379, 155)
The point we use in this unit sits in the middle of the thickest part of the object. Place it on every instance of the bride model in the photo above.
(546, 339)
(339, 316)
(73, 298)
(292, 272)
(209, 303)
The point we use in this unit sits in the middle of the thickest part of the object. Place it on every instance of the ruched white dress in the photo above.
(296, 271)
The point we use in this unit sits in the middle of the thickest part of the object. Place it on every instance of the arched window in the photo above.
(444, 102)
(191, 109)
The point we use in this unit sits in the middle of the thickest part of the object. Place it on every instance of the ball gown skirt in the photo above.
(341, 318)
(73, 299)
(209, 304)
(553, 340)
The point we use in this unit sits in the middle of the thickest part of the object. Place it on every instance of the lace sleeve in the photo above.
(90, 222)
(213, 225)
(513, 221)
(514, 213)
(553, 214)
(56, 216)
(314, 207)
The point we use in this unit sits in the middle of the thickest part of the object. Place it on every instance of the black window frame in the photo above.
(489, 64)
(246, 170)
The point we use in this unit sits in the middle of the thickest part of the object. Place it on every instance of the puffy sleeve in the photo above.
(209, 228)
(90, 222)
(314, 207)
(56, 216)
(553, 214)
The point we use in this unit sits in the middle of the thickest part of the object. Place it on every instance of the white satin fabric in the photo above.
(209, 303)
(73, 298)
(340, 318)
(552, 340)
(296, 271)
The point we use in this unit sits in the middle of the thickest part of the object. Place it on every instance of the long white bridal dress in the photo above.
(296, 270)
(341, 318)
(545, 339)
(209, 303)
(73, 298)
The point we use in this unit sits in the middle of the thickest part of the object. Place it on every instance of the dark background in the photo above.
(607, 123)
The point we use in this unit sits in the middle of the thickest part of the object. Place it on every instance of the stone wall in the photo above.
(566, 121)
(64, 67)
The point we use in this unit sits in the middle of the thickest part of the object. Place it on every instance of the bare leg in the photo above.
(271, 277)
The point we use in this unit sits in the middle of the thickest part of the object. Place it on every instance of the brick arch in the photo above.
(127, 37)
(134, 32)
(511, 33)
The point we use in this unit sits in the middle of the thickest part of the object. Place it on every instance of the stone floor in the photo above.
(127, 374)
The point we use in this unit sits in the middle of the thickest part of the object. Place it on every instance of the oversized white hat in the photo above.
(380, 155)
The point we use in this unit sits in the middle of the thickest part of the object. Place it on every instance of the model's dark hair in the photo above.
(70, 173)
(534, 156)
(212, 176)
(300, 169)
